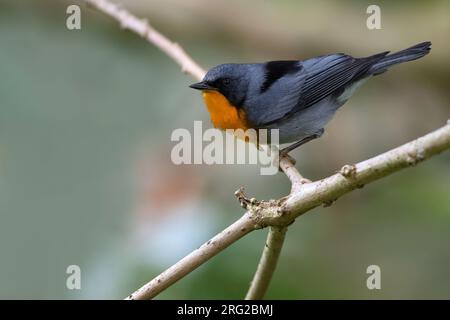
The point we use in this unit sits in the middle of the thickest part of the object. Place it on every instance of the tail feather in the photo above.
(409, 54)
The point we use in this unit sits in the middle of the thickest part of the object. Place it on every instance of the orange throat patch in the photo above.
(223, 114)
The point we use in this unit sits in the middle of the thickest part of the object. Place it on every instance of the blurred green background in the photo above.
(85, 172)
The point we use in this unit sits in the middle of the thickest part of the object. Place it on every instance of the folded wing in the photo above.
(316, 79)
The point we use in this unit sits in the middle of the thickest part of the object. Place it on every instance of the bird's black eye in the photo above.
(226, 81)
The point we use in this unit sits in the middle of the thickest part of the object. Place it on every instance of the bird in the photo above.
(297, 97)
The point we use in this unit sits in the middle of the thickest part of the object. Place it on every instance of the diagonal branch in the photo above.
(278, 214)
(196, 258)
(351, 177)
(145, 30)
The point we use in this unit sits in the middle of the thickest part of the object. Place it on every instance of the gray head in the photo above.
(229, 79)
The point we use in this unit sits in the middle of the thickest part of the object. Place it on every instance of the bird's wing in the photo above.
(316, 79)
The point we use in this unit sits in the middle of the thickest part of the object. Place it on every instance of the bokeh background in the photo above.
(85, 171)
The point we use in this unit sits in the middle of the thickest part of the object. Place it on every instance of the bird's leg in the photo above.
(284, 152)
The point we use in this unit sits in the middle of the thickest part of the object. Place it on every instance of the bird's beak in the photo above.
(202, 86)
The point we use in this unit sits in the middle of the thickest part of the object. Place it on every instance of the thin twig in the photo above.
(267, 264)
(287, 165)
(275, 238)
(145, 30)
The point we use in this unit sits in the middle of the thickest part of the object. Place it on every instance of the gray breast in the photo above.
(306, 122)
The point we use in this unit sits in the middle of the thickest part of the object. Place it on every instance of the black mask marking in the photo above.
(276, 69)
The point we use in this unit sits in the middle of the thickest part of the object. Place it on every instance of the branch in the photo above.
(196, 258)
(267, 264)
(351, 177)
(145, 30)
(287, 165)
(278, 214)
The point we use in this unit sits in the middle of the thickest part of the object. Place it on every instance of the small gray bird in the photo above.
(297, 97)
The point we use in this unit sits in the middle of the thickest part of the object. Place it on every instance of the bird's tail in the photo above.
(412, 53)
